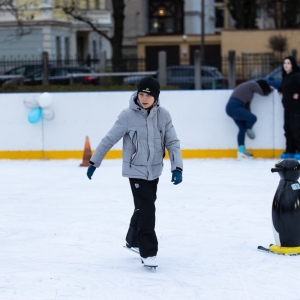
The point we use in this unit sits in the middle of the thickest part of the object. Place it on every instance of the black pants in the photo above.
(295, 130)
(141, 231)
(288, 131)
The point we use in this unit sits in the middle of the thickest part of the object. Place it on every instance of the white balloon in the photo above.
(48, 114)
(45, 99)
(31, 103)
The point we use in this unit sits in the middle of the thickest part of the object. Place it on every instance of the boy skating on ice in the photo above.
(146, 129)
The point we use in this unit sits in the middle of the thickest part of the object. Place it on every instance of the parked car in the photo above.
(24, 70)
(274, 78)
(183, 77)
(61, 75)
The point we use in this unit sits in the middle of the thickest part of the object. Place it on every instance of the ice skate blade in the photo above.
(151, 268)
(244, 157)
(132, 249)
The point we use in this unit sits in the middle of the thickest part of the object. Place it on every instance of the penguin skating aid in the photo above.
(291, 251)
(286, 210)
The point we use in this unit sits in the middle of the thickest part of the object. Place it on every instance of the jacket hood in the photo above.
(135, 104)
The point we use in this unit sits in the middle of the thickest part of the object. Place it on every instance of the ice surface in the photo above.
(62, 235)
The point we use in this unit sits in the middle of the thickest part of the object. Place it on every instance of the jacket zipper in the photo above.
(162, 143)
(135, 146)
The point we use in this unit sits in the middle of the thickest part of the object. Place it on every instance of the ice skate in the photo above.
(149, 262)
(287, 155)
(250, 134)
(134, 249)
(243, 153)
(296, 156)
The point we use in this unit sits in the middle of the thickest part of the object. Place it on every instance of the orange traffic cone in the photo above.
(87, 153)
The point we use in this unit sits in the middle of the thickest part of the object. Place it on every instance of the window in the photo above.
(165, 17)
(17, 71)
(59, 72)
(278, 75)
(219, 21)
(94, 49)
(67, 48)
(58, 48)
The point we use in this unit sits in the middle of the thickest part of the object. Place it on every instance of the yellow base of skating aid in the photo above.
(285, 250)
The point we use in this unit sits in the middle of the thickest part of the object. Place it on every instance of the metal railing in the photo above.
(235, 69)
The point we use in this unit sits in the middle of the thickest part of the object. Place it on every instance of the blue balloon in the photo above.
(35, 115)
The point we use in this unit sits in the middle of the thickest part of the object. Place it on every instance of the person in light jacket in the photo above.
(146, 129)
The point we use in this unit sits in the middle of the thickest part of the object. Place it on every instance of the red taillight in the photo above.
(89, 78)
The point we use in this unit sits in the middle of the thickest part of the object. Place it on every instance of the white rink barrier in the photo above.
(199, 117)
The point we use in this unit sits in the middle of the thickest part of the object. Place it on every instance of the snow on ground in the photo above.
(62, 235)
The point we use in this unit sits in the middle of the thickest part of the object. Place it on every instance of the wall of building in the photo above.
(199, 117)
(11, 45)
(134, 25)
(256, 40)
(183, 41)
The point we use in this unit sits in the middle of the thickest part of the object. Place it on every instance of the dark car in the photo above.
(23, 70)
(274, 78)
(63, 76)
(183, 77)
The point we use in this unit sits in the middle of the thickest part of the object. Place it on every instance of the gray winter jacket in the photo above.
(144, 140)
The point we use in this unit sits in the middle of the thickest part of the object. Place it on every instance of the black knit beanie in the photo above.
(149, 85)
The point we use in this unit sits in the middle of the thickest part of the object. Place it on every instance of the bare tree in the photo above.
(9, 7)
(243, 12)
(278, 43)
(20, 14)
(284, 13)
(116, 40)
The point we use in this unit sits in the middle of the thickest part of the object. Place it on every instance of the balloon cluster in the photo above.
(39, 108)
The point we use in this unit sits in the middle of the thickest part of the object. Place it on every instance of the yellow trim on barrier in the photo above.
(285, 250)
(117, 154)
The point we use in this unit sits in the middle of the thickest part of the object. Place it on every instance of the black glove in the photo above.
(90, 171)
(176, 177)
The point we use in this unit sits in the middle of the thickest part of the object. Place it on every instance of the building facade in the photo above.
(167, 23)
(48, 28)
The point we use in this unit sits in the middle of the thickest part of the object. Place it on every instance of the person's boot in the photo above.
(250, 133)
(243, 153)
(287, 155)
(149, 261)
(296, 156)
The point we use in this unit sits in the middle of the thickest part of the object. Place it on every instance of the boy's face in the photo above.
(146, 100)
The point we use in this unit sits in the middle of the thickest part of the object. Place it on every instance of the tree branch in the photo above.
(75, 14)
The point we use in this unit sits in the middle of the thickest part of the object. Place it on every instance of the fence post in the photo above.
(71, 79)
(102, 61)
(197, 70)
(294, 53)
(231, 69)
(45, 68)
(162, 68)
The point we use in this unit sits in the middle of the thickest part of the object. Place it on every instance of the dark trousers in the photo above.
(141, 231)
(294, 131)
(242, 117)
